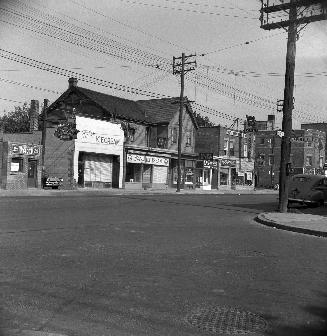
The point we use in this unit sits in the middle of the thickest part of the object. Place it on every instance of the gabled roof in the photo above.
(120, 107)
(152, 111)
(160, 111)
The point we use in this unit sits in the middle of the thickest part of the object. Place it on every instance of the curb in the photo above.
(19, 332)
(262, 220)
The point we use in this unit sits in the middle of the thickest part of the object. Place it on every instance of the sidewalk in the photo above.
(93, 191)
(296, 222)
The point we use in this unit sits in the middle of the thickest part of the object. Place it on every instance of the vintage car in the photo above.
(53, 182)
(307, 189)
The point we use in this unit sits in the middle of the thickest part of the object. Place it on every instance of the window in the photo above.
(271, 160)
(174, 135)
(231, 148)
(16, 164)
(321, 162)
(245, 150)
(188, 138)
(261, 141)
(225, 146)
(131, 134)
(308, 161)
(147, 136)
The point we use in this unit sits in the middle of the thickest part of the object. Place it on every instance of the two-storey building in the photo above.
(231, 165)
(120, 143)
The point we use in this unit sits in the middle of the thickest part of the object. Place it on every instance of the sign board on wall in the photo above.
(25, 149)
(99, 132)
(228, 163)
(152, 160)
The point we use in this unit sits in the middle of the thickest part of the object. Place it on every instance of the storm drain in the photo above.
(227, 321)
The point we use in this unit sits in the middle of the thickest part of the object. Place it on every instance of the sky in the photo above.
(111, 45)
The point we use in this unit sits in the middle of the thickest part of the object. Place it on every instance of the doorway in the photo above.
(32, 174)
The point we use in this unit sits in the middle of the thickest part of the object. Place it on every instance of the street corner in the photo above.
(295, 222)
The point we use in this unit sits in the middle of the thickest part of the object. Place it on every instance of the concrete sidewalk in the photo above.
(93, 191)
(296, 222)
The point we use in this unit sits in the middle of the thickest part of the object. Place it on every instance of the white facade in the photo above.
(99, 137)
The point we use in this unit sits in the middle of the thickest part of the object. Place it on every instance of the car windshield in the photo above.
(301, 179)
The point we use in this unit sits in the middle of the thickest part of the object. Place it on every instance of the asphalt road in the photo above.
(157, 265)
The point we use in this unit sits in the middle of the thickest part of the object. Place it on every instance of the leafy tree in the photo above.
(203, 121)
(16, 121)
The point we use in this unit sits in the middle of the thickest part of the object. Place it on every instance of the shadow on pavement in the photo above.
(318, 327)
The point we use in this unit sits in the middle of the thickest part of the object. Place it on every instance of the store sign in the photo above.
(153, 160)
(228, 163)
(210, 164)
(93, 137)
(25, 149)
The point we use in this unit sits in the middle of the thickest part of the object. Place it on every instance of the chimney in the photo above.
(34, 115)
(72, 82)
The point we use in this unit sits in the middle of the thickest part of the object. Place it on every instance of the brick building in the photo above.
(307, 154)
(232, 164)
(20, 156)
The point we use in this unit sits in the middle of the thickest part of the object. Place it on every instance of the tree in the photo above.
(16, 121)
(203, 121)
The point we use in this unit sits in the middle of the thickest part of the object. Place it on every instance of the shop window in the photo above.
(133, 172)
(308, 161)
(224, 175)
(174, 135)
(261, 141)
(16, 164)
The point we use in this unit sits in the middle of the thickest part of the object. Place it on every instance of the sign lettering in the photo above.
(25, 149)
(154, 160)
(206, 156)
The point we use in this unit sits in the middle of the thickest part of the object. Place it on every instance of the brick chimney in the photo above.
(72, 82)
(34, 115)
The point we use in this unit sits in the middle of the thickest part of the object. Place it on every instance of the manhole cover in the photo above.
(227, 321)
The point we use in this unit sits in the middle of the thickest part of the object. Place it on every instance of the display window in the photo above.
(133, 172)
(224, 176)
(17, 165)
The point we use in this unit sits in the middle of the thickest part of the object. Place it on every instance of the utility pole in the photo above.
(44, 128)
(299, 12)
(181, 66)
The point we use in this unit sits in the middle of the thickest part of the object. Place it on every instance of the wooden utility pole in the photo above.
(44, 129)
(311, 10)
(179, 68)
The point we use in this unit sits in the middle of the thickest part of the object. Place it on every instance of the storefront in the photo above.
(146, 171)
(207, 174)
(21, 165)
(98, 155)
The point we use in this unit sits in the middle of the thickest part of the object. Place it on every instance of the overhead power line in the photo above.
(187, 10)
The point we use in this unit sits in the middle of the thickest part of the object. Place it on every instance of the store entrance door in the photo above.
(32, 174)
(115, 172)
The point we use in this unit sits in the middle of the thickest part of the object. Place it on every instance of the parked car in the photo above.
(53, 182)
(308, 189)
